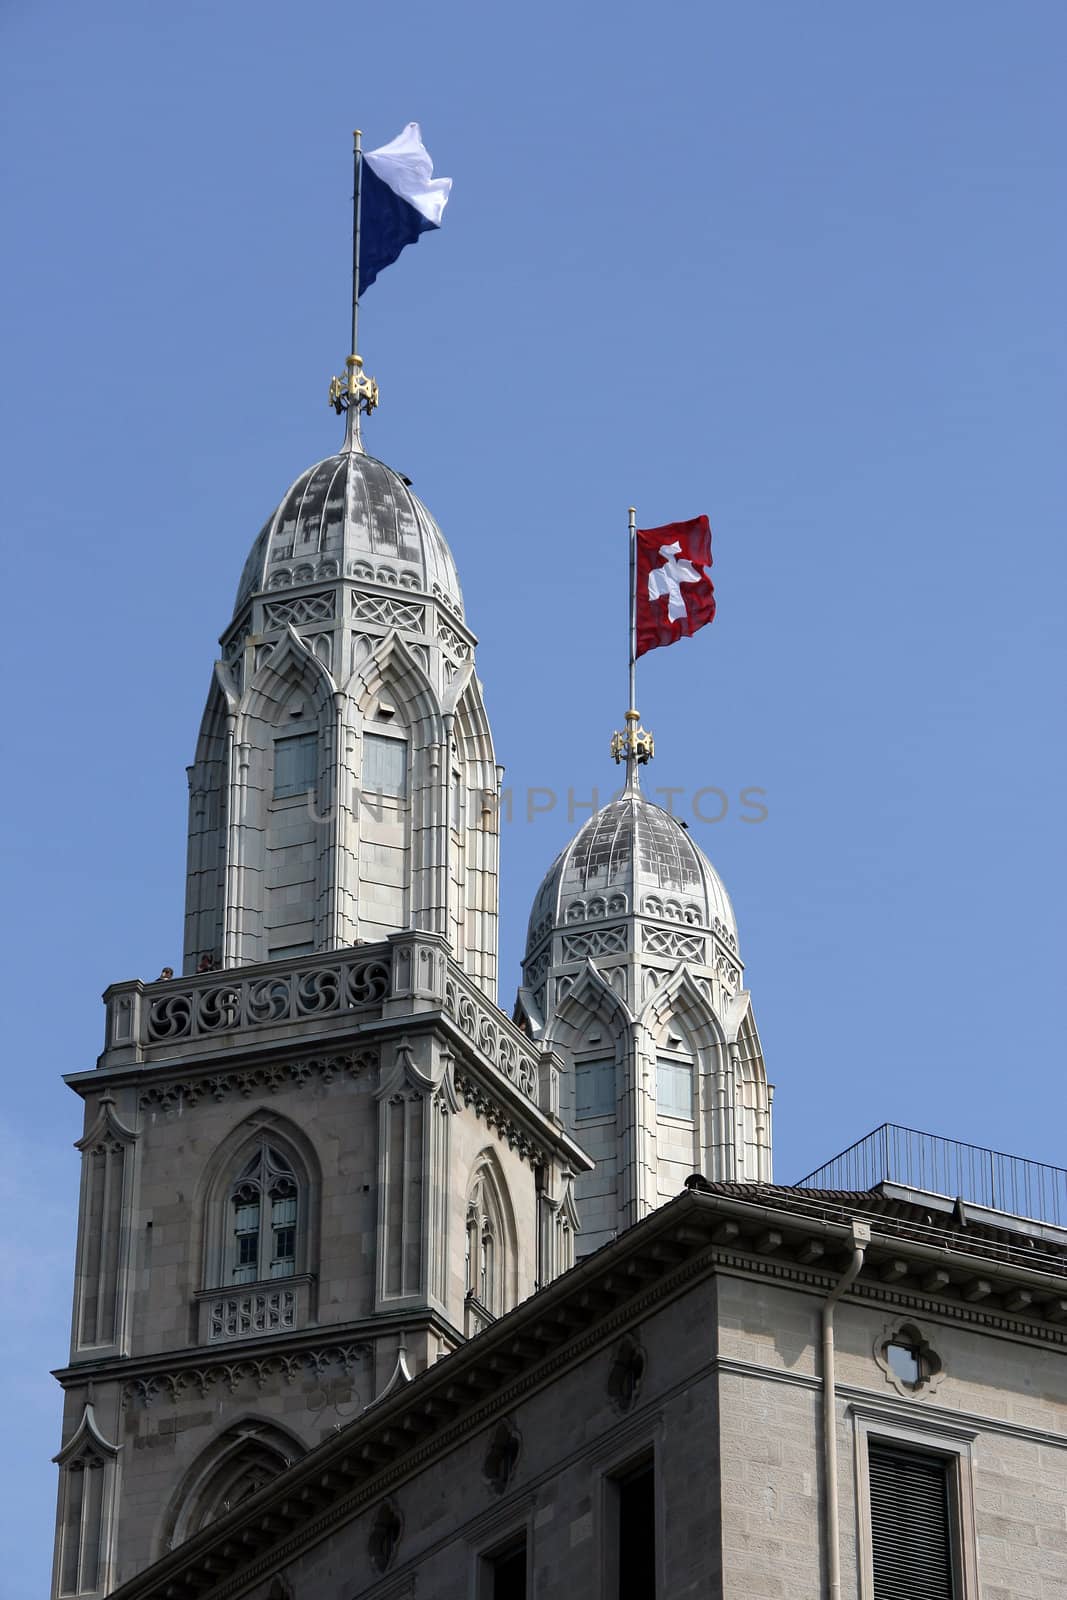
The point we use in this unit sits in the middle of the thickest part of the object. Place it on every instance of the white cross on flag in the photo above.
(675, 595)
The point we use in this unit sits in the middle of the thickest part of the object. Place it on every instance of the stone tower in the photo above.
(632, 974)
(320, 1158)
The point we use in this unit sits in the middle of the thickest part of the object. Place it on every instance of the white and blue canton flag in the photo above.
(400, 198)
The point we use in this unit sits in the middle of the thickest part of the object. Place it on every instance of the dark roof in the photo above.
(953, 1225)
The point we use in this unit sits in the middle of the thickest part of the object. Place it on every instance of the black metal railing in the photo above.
(892, 1154)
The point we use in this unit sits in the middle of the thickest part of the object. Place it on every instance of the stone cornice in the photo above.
(170, 1369)
(267, 1067)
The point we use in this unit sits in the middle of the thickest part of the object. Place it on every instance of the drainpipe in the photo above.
(861, 1238)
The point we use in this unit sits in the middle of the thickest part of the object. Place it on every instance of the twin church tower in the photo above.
(322, 1157)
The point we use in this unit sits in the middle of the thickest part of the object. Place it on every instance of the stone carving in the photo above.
(236, 642)
(672, 942)
(384, 1535)
(498, 1039)
(395, 577)
(446, 599)
(597, 942)
(495, 1116)
(627, 1371)
(390, 613)
(452, 642)
(302, 608)
(729, 974)
(535, 970)
(237, 1316)
(286, 577)
(195, 1009)
(502, 1456)
(253, 1080)
(231, 1374)
(908, 1360)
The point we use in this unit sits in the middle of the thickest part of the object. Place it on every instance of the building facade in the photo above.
(651, 1424)
(383, 1293)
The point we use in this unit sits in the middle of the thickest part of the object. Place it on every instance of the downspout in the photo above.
(861, 1238)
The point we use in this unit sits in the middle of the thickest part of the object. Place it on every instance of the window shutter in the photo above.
(911, 1534)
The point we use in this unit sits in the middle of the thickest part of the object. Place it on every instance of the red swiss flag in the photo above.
(675, 595)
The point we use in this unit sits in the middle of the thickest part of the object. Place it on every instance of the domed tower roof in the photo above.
(351, 516)
(632, 858)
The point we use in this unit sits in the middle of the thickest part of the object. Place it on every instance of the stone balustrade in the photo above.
(272, 1002)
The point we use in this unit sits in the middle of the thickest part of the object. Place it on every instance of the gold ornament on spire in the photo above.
(355, 391)
(635, 744)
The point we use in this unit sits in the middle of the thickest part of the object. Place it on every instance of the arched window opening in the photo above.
(264, 1205)
(487, 1260)
(233, 1469)
(486, 1274)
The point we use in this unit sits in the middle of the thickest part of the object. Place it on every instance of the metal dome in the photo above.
(632, 858)
(351, 516)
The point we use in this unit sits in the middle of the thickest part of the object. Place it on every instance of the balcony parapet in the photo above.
(278, 1002)
(199, 1015)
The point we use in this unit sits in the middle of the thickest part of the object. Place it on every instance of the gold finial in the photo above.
(636, 745)
(355, 391)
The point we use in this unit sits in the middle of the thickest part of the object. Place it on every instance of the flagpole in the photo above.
(357, 160)
(636, 745)
(355, 392)
(633, 608)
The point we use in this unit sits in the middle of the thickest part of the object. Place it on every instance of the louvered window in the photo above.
(911, 1525)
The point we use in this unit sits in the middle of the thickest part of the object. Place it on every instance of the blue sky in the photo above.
(800, 268)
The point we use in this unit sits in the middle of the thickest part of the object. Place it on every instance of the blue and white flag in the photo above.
(400, 198)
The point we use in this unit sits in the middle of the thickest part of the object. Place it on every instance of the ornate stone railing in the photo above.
(146, 1021)
(496, 1037)
(246, 1313)
(226, 1004)
(309, 999)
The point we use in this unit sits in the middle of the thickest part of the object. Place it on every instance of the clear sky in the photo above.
(799, 267)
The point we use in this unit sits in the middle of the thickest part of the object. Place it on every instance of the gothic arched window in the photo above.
(264, 1218)
(487, 1254)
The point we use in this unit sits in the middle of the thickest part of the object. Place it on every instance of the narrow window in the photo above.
(385, 766)
(594, 1088)
(264, 1204)
(634, 1517)
(486, 1283)
(505, 1572)
(295, 764)
(246, 1234)
(911, 1525)
(456, 802)
(674, 1088)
